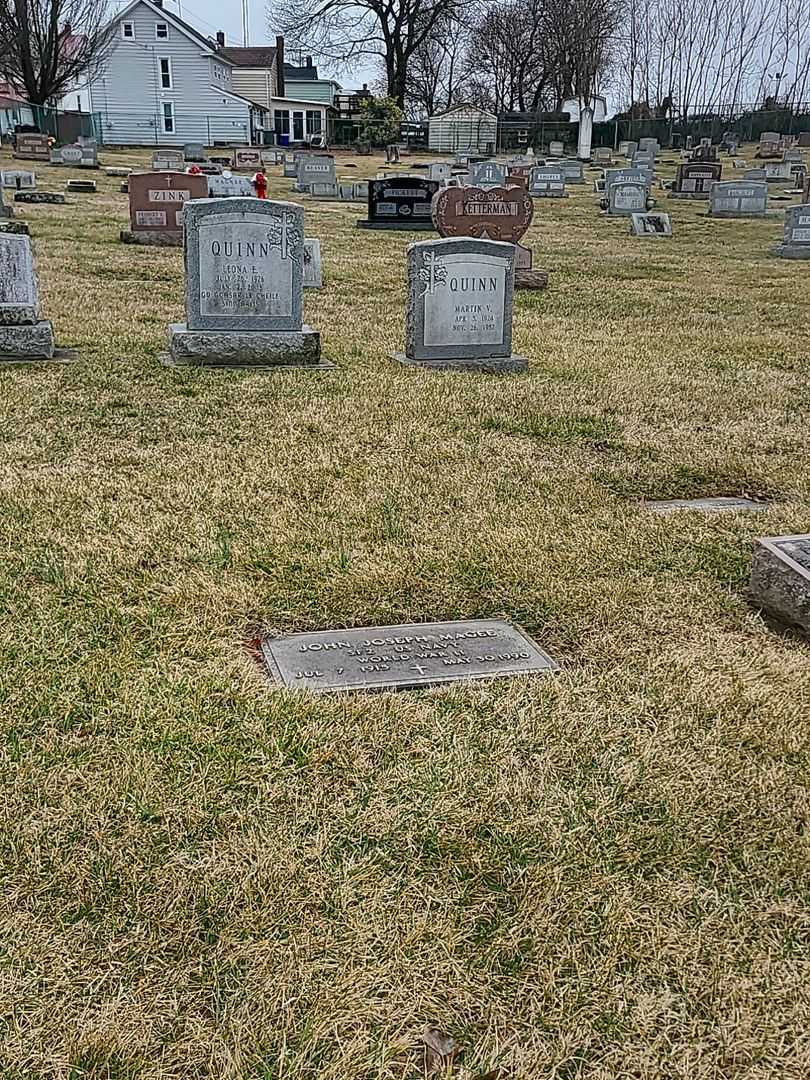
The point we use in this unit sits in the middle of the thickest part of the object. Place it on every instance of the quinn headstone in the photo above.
(23, 335)
(459, 310)
(244, 263)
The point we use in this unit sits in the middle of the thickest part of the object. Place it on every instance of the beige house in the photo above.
(258, 74)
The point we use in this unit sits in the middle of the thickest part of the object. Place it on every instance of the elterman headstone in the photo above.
(459, 308)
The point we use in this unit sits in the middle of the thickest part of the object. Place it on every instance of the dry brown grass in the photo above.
(599, 876)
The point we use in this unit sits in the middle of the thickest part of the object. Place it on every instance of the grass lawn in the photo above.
(602, 874)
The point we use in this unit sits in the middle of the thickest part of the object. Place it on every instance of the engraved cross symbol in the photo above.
(419, 668)
(433, 272)
(283, 233)
(168, 179)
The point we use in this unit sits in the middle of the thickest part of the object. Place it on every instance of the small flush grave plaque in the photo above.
(406, 657)
(780, 578)
(713, 505)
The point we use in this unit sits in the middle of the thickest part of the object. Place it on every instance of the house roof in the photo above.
(308, 73)
(463, 108)
(239, 97)
(168, 16)
(252, 56)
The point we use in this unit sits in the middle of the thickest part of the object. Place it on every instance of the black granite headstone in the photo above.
(400, 202)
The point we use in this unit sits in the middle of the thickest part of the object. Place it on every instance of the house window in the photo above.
(313, 122)
(161, 30)
(298, 126)
(165, 72)
(128, 31)
(168, 117)
(281, 121)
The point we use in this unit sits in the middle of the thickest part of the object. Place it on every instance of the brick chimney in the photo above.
(220, 39)
(280, 66)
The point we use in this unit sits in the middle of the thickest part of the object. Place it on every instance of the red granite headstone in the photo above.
(32, 145)
(247, 157)
(500, 213)
(156, 200)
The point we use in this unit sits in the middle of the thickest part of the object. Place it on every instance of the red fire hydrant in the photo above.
(260, 184)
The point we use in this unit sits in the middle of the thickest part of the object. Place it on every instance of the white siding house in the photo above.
(164, 84)
(464, 127)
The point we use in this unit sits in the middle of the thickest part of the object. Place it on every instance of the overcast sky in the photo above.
(208, 16)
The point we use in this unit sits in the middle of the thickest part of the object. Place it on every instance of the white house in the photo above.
(165, 84)
(463, 127)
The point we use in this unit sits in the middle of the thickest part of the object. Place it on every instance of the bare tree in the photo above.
(437, 68)
(345, 31)
(46, 45)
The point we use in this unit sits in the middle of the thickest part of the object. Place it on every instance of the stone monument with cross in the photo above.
(156, 204)
(459, 309)
(244, 262)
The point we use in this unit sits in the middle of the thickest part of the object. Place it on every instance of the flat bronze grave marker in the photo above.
(405, 657)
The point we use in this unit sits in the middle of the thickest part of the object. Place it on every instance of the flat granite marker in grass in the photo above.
(410, 656)
(718, 504)
(459, 308)
(780, 578)
(23, 335)
(244, 265)
(651, 225)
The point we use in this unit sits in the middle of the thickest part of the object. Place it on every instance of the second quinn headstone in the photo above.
(459, 308)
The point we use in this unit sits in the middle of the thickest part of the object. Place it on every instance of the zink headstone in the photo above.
(400, 202)
(23, 335)
(156, 205)
(459, 310)
(739, 199)
(244, 263)
(411, 656)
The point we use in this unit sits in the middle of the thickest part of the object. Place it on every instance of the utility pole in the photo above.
(245, 23)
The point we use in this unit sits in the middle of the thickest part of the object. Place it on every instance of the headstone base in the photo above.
(84, 186)
(245, 348)
(531, 279)
(689, 195)
(788, 251)
(780, 579)
(32, 342)
(410, 226)
(152, 239)
(493, 365)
